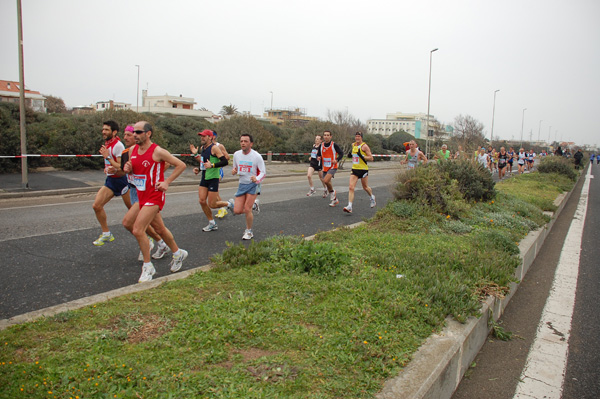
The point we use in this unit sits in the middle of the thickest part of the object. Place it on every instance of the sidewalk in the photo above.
(50, 181)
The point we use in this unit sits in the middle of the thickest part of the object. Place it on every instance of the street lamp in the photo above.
(522, 124)
(539, 130)
(549, 131)
(271, 101)
(493, 112)
(137, 104)
(428, 101)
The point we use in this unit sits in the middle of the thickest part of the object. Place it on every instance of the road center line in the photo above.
(545, 368)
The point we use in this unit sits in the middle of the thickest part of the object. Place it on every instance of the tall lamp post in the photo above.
(540, 129)
(549, 131)
(271, 101)
(137, 104)
(428, 102)
(493, 112)
(24, 169)
(522, 124)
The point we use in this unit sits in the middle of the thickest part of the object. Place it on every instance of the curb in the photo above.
(439, 364)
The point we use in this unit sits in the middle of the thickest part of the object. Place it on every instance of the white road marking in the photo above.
(545, 368)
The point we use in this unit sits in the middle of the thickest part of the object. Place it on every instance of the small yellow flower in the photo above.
(365, 342)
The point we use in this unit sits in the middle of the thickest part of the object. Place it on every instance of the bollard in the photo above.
(269, 157)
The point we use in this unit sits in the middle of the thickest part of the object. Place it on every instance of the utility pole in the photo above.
(22, 110)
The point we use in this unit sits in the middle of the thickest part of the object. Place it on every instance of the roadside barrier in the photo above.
(177, 155)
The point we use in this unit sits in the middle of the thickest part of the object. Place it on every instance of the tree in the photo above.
(229, 110)
(345, 127)
(468, 132)
(55, 105)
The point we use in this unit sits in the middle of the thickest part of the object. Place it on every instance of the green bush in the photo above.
(319, 258)
(474, 181)
(558, 165)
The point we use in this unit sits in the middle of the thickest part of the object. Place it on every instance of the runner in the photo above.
(521, 157)
(483, 158)
(147, 161)
(128, 138)
(113, 186)
(211, 160)
(222, 211)
(530, 159)
(414, 155)
(329, 154)
(250, 167)
(443, 154)
(511, 158)
(361, 153)
(502, 162)
(315, 166)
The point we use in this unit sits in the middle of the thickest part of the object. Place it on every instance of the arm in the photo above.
(260, 166)
(422, 157)
(160, 154)
(216, 151)
(338, 152)
(106, 155)
(224, 151)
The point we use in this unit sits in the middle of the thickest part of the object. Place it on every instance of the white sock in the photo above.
(106, 233)
(148, 264)
(161, 243)
(349, 205)
(177, 253)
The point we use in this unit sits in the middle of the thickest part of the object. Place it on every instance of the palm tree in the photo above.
(229, 110)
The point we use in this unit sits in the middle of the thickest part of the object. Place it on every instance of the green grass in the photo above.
(329, 318)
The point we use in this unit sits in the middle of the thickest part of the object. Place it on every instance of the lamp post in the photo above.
(549, 130)
(493, 112)
(271, 101)
(539, 129)
(522, 124)
(428, 102)
(24, 169)
(137, 104)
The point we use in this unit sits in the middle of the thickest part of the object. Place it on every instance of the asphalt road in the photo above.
(497, 368)
(46, 242)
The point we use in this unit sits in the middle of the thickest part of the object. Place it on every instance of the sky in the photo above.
(367, 58)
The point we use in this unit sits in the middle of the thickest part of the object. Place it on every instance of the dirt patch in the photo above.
(273, 372)
(138, 328)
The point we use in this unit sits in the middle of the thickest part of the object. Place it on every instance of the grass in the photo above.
(329, 318)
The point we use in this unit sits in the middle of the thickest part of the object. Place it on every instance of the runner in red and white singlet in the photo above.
(146, 174)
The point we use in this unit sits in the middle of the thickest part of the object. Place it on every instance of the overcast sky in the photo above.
(370, 58)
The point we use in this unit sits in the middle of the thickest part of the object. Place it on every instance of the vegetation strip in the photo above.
(331, 317)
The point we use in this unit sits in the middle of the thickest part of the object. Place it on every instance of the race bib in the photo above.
(314, 152)
(202, 167)
(355, 159)
(140, 182)
(245, 166)
(327, 162)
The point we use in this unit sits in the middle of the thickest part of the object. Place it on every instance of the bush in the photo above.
(558, 165)
(474, 181)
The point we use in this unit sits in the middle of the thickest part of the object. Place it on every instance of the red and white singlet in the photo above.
(146, 175)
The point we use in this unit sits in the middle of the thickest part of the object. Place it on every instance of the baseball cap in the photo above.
(206, 132)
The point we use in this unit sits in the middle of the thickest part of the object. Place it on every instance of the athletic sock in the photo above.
(106, 233)
(177, 253)
(161, 243)
(349, 205)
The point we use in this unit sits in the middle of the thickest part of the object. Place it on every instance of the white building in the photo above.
(394, 122)
(177, 105)
(110, 104)
(10, 92)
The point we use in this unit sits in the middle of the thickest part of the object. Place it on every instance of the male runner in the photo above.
(113, 186)
(250, 167)
(443, 154)
(502, 162)
(329, 155)
(315, 166)
(211, 161)
(361, 153)
(147, 162)
(222, 211)
(128, 138)
(414, 155)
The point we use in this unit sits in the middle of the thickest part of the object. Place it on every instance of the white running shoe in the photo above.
(210, 227)
(256, 207)
(147, 272)
(348, 209)
(161, 251)
(141, 256)
(373, 203)
(247, 235)
(104, 238)
(311, 192)
(334, 202)
(332, 196)
(177, 261)
(230, 203)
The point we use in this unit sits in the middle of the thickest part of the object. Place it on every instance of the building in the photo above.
(110, 104)
(10, 92)
(413, 124)
(177, 105)
(290, 115)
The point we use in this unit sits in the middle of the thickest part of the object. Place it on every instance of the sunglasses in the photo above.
(139, 131)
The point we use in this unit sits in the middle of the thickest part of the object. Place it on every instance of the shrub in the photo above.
(474, 181)
(558, 165)
(319, 258)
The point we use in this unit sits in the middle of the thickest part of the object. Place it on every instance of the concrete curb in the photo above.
(438, 366)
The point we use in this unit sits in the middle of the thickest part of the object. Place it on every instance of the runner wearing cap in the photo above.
(222, 211)
(211, 159)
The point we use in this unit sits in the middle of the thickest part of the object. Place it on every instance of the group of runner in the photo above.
(503, 161)
(324, 159)
(136, 174)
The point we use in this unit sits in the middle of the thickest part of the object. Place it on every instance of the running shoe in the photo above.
(147, 272)
(230, 203)
(141, 256)
(177, 261)
(161, 251)
(324, 193)
(373, 203)
(334, 202)
(348, 209)
(333, 195)
(221, 213)
(210, 227)
(104, 238)
(311, 192)
(255, 207)
(247, 235)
